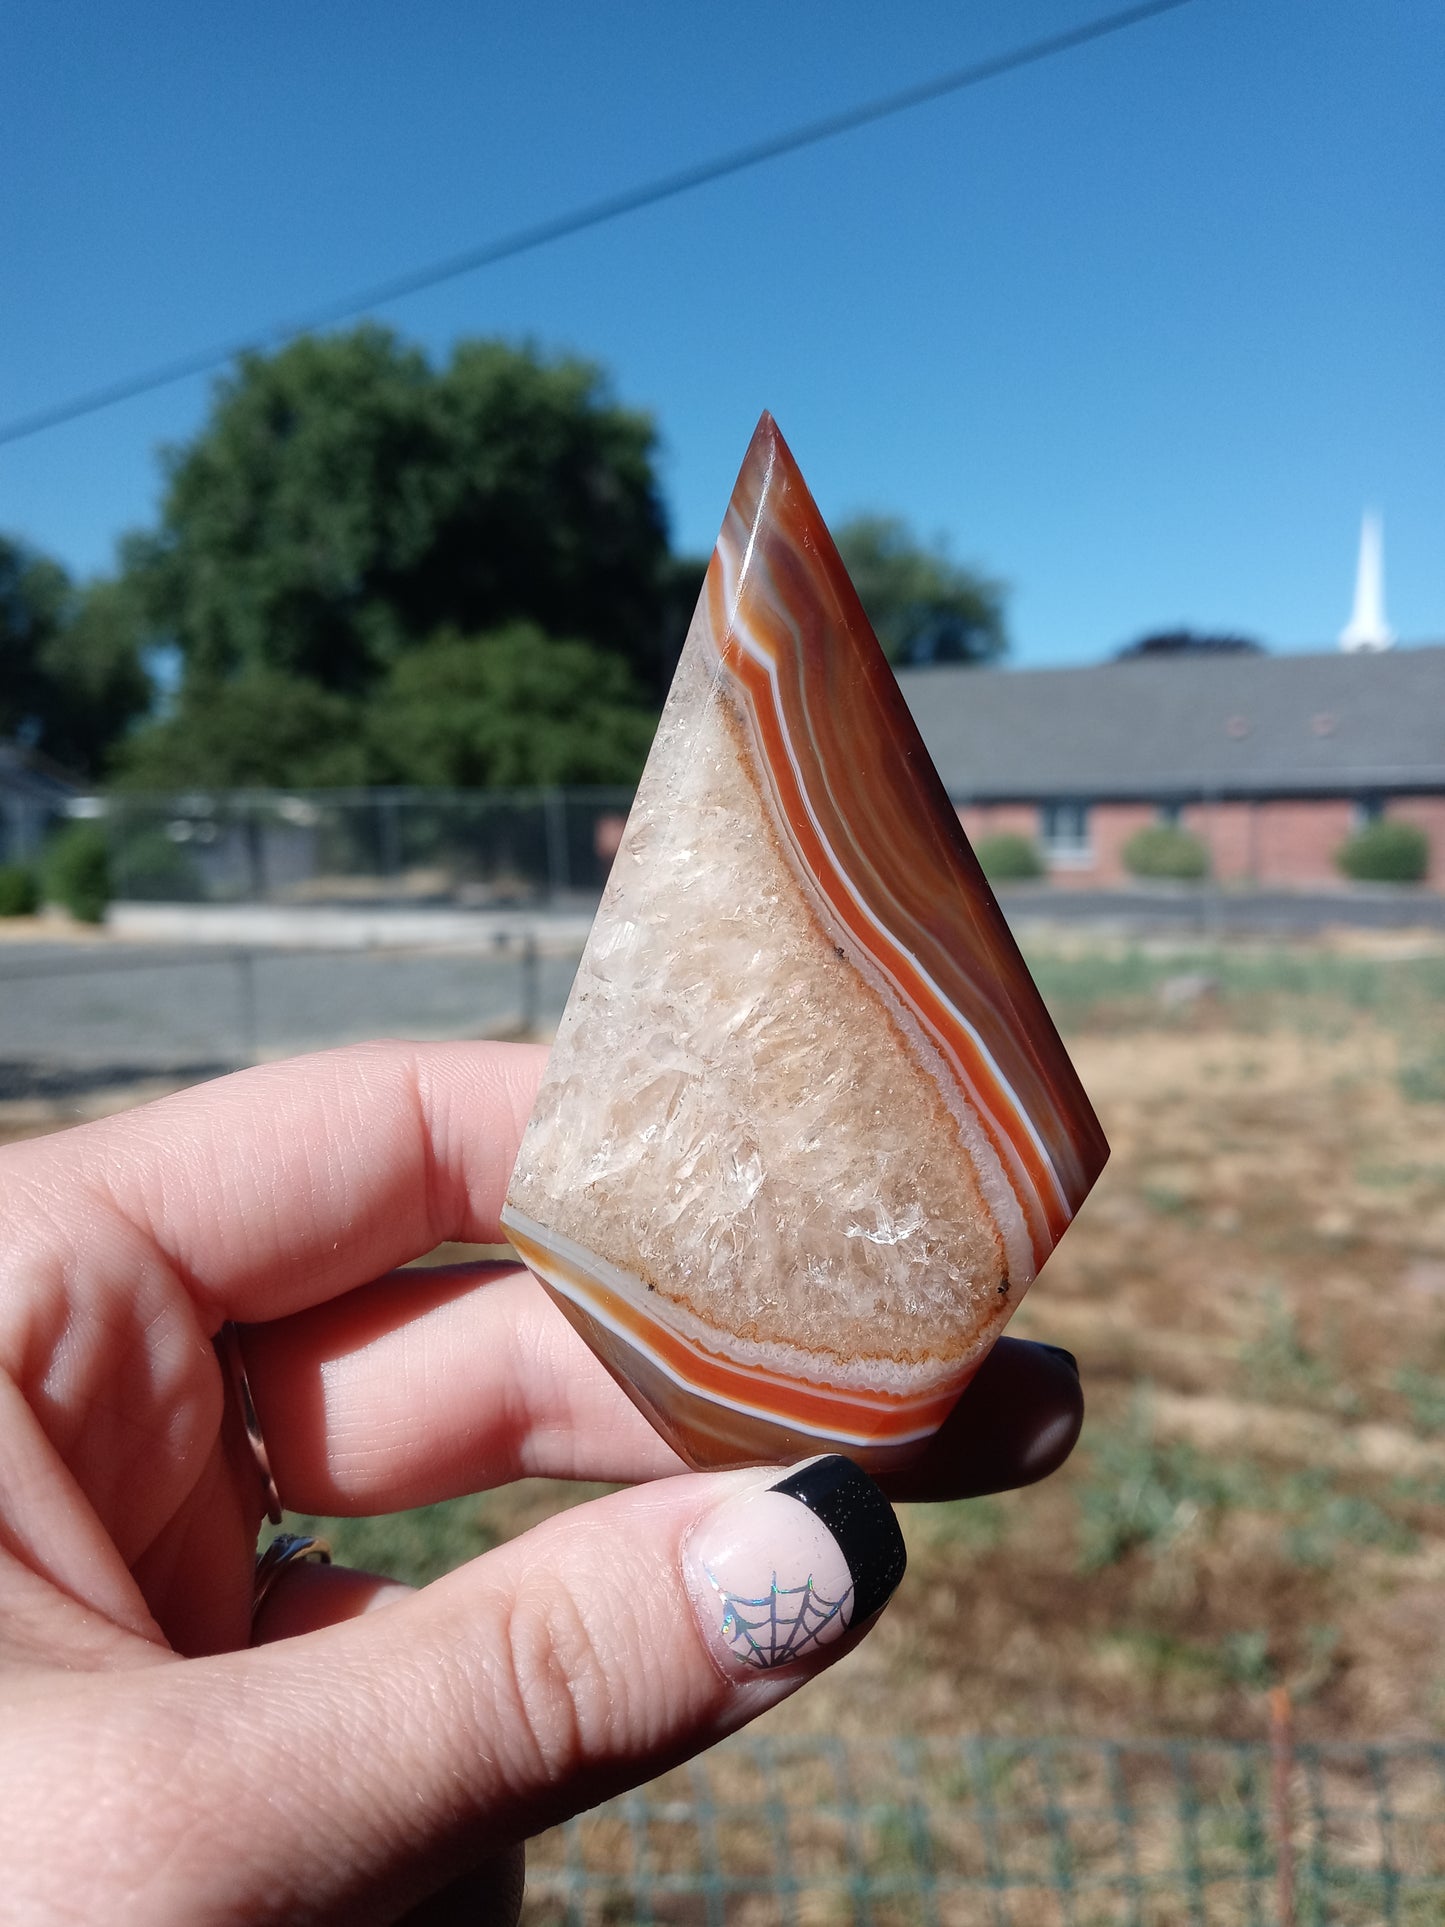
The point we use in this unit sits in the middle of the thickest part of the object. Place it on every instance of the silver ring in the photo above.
(286, 1549)
(228, 1347)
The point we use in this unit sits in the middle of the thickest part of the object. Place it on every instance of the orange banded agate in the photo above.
(807, 1133)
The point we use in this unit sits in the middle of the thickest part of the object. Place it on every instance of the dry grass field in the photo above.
(1256, 1294)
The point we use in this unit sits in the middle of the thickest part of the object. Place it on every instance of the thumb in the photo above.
(380, 1758)
(304, 1597)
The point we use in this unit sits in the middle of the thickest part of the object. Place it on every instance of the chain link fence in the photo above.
(509, 849)
(1010, 1833)
(471, 847)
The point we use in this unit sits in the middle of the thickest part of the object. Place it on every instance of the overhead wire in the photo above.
(591, 214)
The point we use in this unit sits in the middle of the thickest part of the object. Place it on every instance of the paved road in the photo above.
(73, 1016)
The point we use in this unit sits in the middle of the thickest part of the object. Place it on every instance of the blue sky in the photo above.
(1141, 330)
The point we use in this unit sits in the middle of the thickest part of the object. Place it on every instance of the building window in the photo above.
(1064, 832)
(1170, 813)
(1366, 810)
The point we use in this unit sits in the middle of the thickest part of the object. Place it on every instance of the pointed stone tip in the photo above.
(765, 441)
(770, 473)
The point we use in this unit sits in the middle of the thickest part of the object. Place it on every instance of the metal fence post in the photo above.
(531, 985)
(554, 808)
(246, 1004)
(253, 830)
(1281, 1750)
(390, 838)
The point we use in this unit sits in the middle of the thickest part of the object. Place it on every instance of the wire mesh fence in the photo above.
(479, 847)
(524, 848)
(1010, 1833)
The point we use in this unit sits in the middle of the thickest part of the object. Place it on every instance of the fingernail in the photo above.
(1068, 1357)
(780, 1571)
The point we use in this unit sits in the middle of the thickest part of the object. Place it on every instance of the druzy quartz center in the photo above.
(807, 1132)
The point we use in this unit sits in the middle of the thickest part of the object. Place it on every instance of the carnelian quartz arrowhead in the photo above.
(807, 1133)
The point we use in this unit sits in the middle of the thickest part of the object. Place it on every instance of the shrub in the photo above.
(150, 866)
(19, 891)
(1009, 858)
(77, 871)
(1385, 852)
(1164, 850)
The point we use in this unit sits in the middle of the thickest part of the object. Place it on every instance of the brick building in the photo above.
(1271, 760)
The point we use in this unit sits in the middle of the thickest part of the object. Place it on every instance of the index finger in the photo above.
(279, 1187)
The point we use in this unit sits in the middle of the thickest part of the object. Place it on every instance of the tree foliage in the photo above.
(98, 677)
(924, 607)
(261, 729)
(1166, 643)
(347, 500)
(373, 567)
(509, 710)
(71, 675)
(33, 596)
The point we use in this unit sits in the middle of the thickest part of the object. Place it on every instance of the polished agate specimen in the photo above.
(806, 1133)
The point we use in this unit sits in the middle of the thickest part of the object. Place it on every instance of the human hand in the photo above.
(378, 1751)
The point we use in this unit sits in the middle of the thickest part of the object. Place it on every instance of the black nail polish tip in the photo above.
(853, 1509)
(1068, 1357)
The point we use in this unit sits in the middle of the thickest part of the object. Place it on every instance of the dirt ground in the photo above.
(1256, 1294)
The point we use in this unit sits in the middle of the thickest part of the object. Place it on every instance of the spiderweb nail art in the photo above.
(781, 1624)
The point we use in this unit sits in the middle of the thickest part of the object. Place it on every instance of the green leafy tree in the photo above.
(682, 580)
(97, 678)
(260, 730)
(34, 594)
(510, 709)
(1165, 644)
(346, 500)
(72, 679)
(924, 607)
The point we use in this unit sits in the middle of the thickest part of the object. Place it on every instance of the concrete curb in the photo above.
(327, 927)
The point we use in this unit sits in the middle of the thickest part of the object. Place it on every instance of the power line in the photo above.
(592, 214)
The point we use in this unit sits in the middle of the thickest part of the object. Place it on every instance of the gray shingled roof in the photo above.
(1218, 726)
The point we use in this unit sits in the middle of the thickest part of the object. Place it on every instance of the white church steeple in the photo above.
(1367, 627)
